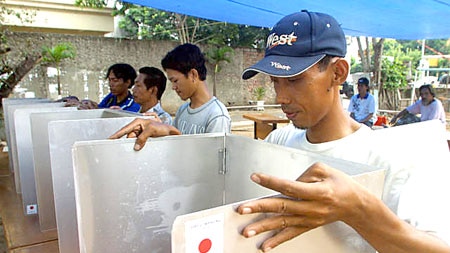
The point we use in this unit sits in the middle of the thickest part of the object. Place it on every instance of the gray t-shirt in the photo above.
(163, 115)
(212, 117)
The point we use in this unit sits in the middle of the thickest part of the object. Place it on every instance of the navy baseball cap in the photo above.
(297, 42)
(363, 80)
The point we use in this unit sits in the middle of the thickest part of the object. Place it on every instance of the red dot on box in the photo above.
(204, 246)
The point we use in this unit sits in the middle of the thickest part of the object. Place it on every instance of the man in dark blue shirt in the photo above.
(121, 78)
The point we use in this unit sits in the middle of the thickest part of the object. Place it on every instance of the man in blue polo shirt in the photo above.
(362, 106)
(121, 78)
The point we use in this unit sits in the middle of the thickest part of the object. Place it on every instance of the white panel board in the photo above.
(127, 200)
(62, 135)
(24, 150)
(41, 156)
(171, 176)
(8, 117)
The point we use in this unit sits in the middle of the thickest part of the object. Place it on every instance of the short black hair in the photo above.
(184, 58)
(428, 87)
(323, 63)
(154, 77)
(124, 71)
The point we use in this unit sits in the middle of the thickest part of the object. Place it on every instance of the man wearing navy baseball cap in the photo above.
(297, 42)
(304, 59)
(362, 106)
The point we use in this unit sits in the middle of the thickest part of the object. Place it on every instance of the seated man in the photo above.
(427, 106)
(121, 78)
(148, 89)
(362, 106)
(204, 113)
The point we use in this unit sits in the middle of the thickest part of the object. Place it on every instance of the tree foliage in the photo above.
(149, 23)
(13, 69)
(409, 53)
(91, 3)
(394, 74)
(406, 52)
(6, 13)
(142, 22)
(55, 56)
(401, 68)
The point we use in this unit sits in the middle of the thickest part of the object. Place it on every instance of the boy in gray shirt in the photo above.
(204, 113)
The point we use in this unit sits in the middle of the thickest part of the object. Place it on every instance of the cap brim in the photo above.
(282, 66)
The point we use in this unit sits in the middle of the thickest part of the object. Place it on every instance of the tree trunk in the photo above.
(45, 89)
(361, 54)
(186, 34)
(18, 73)
(387, 99)
(58, 79)
(180, 27)
(368, 57)
(378, 53)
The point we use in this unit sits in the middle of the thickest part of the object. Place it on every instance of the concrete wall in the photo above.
(84, 76)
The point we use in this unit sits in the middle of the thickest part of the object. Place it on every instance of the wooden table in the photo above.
(264, 123)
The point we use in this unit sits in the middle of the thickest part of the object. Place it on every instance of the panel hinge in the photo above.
(222, 161)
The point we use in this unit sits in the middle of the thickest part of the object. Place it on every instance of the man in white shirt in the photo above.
(427, 106)
(148, 89)
(305, 61)
(362, 106)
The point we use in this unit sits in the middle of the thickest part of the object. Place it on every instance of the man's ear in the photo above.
(154, 90)
(193, 75)
(341, 70)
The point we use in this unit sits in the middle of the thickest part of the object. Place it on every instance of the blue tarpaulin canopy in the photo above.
(397, 19)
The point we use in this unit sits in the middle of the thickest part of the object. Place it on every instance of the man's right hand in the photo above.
(142, 129)
(321, 195)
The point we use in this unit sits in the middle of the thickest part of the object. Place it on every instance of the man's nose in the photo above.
(281, 95)
(282, 100)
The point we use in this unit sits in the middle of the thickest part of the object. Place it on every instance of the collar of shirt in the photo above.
(365, 97)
